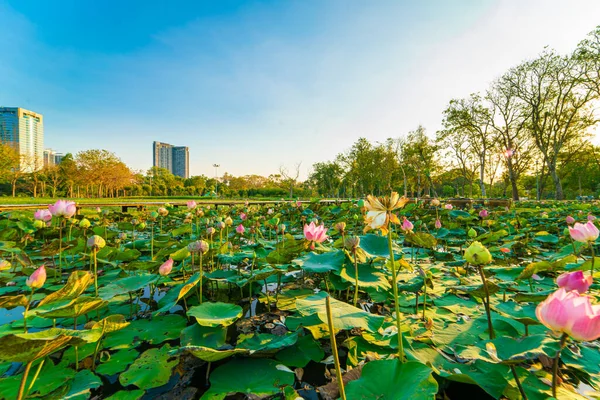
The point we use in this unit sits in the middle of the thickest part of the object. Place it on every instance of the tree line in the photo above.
(536, 120)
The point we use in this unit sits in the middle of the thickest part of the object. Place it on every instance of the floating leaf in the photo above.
(152, 369)
(215, 314)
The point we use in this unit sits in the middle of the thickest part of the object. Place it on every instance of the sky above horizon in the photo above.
(255, 85)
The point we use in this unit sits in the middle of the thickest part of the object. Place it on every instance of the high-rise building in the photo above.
(52, 158)
(181, 161)
(162, 155)
(24, 131)
(49, 158)
(176, 159)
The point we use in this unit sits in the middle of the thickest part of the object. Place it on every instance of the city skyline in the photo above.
(275, 82)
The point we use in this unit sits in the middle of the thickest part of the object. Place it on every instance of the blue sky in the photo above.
(255, 85)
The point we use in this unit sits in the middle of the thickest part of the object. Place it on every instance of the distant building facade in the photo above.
(176, 159)
(52, 158)
(24, 131)
(181, 161)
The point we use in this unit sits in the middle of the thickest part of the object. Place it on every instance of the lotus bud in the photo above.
(98, 210)
(352, 242)
(191, 205)
(282, 228)
(448, 206)
(122, 235)
(243, 216)
(477, 254)
(270, 211)
(210, 231)
(96, 242)
(438, 224)
(570, 220)
(472, 233)
(163, 212)
(134, 221)
(484, 213)
(84, 223)
(340, 227)
(199, 213)
(435, 203)
(406, 226)
(142, 226)
(37, 224)
(240, 229)
(566, 231)
(166, 267)
(4, 265)
(591, 217)
(37, 279)
(228, 221)
(198, 246)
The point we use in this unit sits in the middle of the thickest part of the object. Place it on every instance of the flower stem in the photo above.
(486, 303)
(336, 359)
(355, 278)
(514, 372)
(95, 272)
(593, 259)
(27, 309)
(35, 376)
(396, 302)
(563, 342)
(24, 380)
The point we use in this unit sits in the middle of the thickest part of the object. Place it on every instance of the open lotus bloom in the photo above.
(584, 232)
(570, 313)
(575, 281)
(379, 211)
(43, 215)
(63, 208)
(315, 233)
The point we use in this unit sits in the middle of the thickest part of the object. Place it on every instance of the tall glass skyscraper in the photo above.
(176, 159)
(24, 131)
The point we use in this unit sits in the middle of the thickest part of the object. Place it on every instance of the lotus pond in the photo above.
(246, 306)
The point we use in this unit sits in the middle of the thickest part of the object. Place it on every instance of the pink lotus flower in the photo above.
(570, 313)
(191, 204)
(484, 213)
(299, 204)
(406, 226)
(240, 229)
(243, 216)
(570, 220)
(438, 224)
(63, 208)
(37, 279)
(210, 231)
(575, 281)
(315, 233)
(448, 207)
(584, 232)
(43, 215)
(166, 268)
